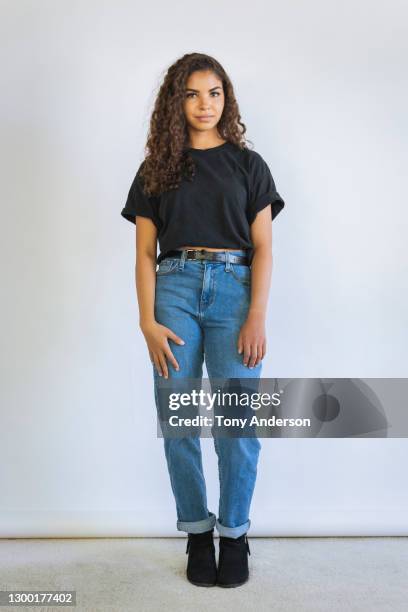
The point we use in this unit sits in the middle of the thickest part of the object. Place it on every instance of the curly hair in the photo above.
(167, 160)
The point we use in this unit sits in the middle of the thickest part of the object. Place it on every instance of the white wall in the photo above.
(322, 89)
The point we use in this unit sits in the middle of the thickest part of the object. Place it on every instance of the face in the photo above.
(204, 100)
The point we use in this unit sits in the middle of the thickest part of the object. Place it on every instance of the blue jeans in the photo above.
(205, 303)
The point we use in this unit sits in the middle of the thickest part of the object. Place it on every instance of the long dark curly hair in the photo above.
(167, 160)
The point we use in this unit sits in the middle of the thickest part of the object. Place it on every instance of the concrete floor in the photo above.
(148, 574)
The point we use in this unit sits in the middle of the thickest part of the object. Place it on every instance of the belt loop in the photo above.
(227, 261)
(182, 259)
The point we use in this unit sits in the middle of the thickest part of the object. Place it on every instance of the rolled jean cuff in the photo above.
(232, 532)
(197, 526)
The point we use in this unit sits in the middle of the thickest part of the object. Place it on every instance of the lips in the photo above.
(205, 117)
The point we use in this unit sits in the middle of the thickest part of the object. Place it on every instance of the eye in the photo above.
(213, 93)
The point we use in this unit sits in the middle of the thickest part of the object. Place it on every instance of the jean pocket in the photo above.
(242, 273)
(167, 266)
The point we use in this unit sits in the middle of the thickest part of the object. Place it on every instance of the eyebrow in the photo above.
(198, 91)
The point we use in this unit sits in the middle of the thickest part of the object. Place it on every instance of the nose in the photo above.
(205, 104)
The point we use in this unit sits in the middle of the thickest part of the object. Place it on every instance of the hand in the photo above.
(252, 340)
(156, 336)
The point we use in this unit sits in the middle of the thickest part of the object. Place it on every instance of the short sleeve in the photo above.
(263, 189)
(138, 203)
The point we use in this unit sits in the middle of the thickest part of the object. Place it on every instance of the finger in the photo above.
(247, 353)
(259, 358)
(163, 365)
(172, 359)
(254, 355)
(157, 364)
(175, 337)
(240, 344)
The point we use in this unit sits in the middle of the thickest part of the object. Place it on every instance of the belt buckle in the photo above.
(199, 253)
(187, 251)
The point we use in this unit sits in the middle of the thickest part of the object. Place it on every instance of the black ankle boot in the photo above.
(201, 565)
(233, 561)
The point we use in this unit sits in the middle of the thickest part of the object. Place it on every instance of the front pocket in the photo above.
(241, 273)
(167, 266)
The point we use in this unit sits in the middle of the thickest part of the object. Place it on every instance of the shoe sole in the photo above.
(202, 584)
(231, 586)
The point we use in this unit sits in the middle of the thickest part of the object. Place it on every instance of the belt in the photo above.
(209, 255)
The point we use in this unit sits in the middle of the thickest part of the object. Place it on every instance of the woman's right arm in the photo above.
(145, 268)
(156, 335)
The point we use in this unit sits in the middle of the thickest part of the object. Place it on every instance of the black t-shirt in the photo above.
(216, 208)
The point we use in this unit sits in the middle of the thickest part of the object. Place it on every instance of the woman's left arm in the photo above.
(252, 336)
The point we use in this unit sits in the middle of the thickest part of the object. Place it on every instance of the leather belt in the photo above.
(209, 255)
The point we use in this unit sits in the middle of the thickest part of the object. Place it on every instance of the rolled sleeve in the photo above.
(138, 203)
(263, 190)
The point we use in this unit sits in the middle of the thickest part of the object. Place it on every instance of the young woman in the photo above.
(209, 200)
